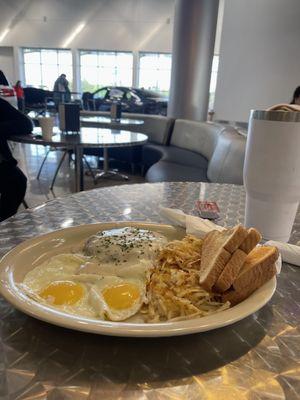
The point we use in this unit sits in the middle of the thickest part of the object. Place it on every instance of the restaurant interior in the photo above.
(149, 199)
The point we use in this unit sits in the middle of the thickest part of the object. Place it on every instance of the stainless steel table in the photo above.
(87, 137)
(255, 359)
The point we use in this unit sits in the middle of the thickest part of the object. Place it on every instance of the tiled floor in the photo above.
(30, 158)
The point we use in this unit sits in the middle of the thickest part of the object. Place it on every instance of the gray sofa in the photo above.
(185, 150)
(197, 151)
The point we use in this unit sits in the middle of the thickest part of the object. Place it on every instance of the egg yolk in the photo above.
(62, 292)
(121, 296)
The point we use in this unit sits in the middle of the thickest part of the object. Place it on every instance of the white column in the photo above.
(135, 70)
(76, 70)
(193, 48)
(19, 73)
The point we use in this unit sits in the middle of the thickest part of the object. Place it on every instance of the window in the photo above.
(155, 72)
(130, 96)
(100, 94)
(43, 66)
(116, 94)
(213, 82)
(105, 68)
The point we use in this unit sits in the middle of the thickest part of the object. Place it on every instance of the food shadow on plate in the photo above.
(59, 354)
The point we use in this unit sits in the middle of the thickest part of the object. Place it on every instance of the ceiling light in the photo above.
(73, 34)
(3, 34)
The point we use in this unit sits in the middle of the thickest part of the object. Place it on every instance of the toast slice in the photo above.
(252, 239)
(258, 268)
(230, 272)
(213, 259)
(237, 296)
(234, 237)
(217, 250)
(234, 297)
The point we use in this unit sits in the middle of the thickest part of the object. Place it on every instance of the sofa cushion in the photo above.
(157, 127)
(227, 162)
(177, 155)
(200, 137)
(153, 153)
(165, 171)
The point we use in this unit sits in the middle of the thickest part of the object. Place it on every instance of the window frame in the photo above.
(213, 81)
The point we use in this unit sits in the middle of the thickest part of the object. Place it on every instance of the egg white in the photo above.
(60, 268)
(103, 309)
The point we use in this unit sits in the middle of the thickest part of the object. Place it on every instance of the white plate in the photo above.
(26, 256)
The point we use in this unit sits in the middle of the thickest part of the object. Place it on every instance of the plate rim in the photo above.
(18, 299)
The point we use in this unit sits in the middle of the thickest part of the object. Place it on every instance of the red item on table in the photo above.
(207, 209)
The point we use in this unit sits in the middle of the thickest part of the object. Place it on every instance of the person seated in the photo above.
(13, 182)
(296, 96)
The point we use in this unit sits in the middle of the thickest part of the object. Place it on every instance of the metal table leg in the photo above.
(106, 173)
(78, 152)
(105, 160)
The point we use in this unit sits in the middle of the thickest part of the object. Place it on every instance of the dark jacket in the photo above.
(12, 122)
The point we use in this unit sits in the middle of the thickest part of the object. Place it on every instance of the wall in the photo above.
(259, 56)
(7, 62)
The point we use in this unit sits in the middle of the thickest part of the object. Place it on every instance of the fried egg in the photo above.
(55, 284)
(117, 299)
(107, 281)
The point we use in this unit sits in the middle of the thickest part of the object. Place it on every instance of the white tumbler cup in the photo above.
(272, 173)
(46, 124)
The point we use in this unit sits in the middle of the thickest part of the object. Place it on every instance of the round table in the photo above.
(98, 121)
(256, 358)
(87, 137)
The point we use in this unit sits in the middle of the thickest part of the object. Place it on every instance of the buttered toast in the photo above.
(232, 264)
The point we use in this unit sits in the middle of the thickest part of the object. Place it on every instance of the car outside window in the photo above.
(116, 94)
(132, 97)
(101, 94)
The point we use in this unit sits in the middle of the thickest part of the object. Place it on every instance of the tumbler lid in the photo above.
(275, 115)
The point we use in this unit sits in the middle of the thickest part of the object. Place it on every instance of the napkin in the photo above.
(290, 253)
(194, 225)
(200, 227)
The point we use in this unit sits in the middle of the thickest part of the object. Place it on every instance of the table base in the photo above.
(109, 174)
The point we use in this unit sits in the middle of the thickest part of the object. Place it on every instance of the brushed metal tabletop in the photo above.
(255, 359)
